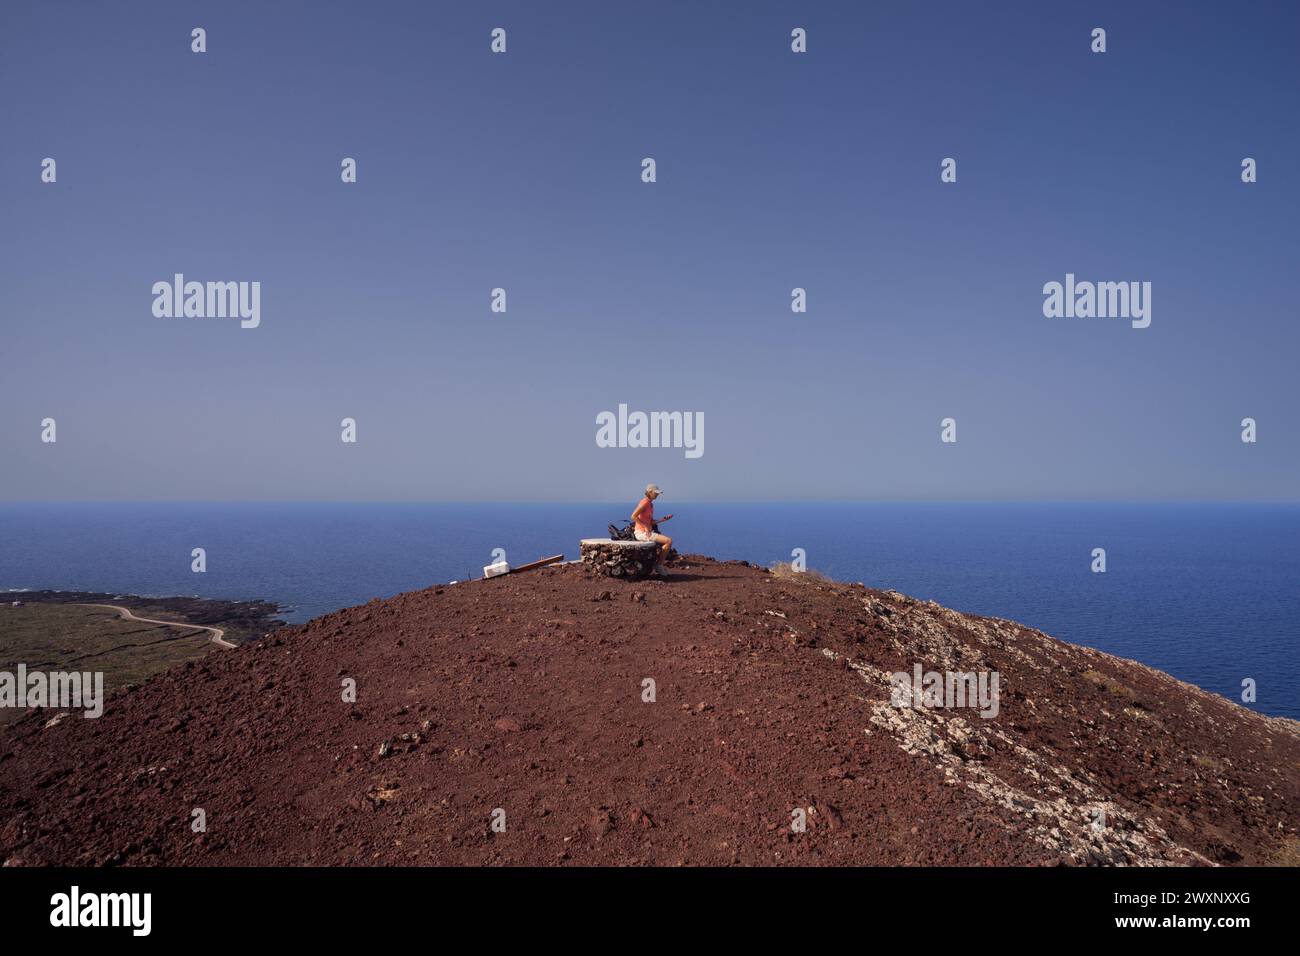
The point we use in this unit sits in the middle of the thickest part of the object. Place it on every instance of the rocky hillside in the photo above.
(523, 701)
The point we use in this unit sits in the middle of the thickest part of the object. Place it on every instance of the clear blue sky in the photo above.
(775, 170)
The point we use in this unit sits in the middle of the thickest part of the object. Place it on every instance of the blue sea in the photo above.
(1208, 592)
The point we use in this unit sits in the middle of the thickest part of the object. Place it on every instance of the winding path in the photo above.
(218, 634)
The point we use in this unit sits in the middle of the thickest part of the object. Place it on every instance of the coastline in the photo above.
(241, 621)
(1173, 570)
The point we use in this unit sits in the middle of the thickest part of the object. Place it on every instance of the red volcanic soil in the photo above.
(522, 697)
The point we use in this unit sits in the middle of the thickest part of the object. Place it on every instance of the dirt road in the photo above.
(218, 635)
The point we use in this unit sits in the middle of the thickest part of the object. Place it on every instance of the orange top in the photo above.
(645, 514)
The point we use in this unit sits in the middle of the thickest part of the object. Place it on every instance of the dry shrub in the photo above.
(786, 572)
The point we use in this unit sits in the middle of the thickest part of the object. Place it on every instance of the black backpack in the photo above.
(628, 531)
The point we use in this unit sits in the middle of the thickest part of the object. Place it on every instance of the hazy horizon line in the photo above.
(618, 501)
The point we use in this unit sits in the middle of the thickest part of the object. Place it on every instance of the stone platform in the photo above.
(630, 560)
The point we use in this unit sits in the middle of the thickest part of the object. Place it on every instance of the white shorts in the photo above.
(644, 535)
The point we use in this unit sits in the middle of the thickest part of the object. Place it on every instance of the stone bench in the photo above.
(632, 560)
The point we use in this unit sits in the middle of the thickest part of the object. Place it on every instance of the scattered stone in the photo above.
(602, 822)
(640, 818)
(834, 819)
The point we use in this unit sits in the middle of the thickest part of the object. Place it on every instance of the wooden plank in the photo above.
(538, 564)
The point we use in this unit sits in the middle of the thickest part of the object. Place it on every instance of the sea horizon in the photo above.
(1201, 589)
